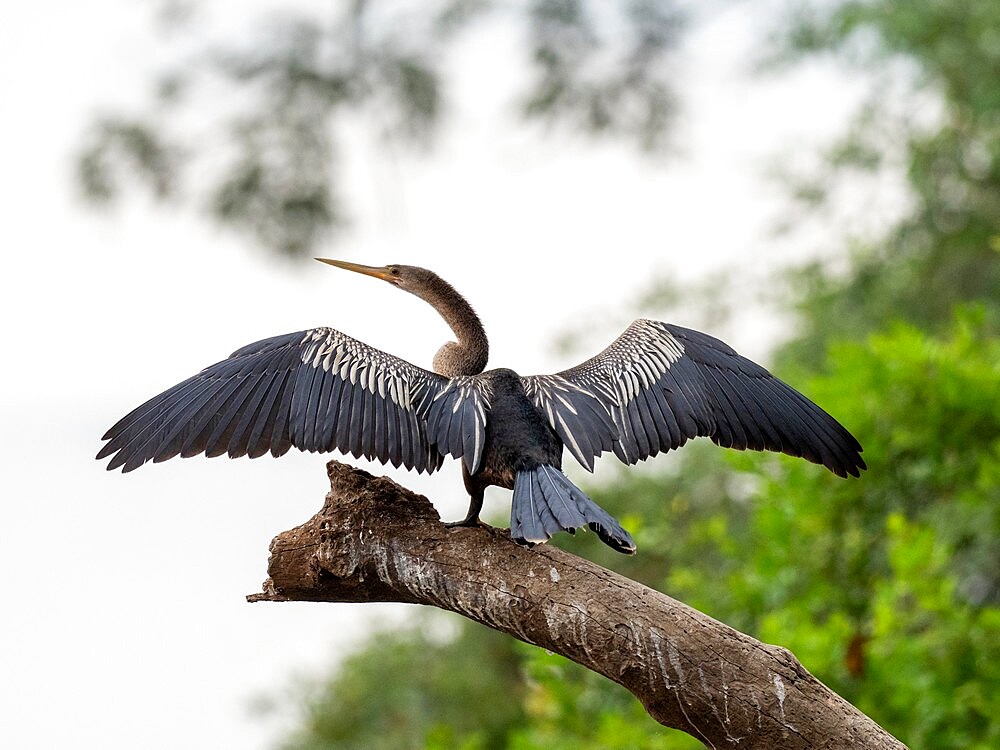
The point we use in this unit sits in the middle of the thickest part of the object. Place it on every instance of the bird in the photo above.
(651, 390)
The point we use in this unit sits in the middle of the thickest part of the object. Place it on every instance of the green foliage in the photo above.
(569, 707)
(934, 664)
(944, 251)
(887, 587)
(417, 689)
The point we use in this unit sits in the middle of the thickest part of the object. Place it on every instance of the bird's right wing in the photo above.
(317, 390)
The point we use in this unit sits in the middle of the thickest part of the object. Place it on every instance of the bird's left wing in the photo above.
(318, 390)
(663, 384)
(580, 418)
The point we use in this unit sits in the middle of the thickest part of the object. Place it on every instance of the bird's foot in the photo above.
(468, 521)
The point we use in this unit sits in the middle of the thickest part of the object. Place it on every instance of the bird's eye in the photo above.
(394, 270)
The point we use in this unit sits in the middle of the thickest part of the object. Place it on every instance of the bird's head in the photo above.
(412, 279)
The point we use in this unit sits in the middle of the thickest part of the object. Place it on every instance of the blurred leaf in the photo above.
(629, 97)
(117, 145)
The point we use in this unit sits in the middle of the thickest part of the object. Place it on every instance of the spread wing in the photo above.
(662, 384)
(581, 420)
(456, 419)
(317, 390)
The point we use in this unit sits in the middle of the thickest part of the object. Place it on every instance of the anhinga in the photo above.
(653, 388)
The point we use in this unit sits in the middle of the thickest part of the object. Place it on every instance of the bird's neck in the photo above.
(467, 355)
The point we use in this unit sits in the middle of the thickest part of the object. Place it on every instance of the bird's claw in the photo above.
(468, 522)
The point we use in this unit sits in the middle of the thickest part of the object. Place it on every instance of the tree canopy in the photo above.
(933, 114)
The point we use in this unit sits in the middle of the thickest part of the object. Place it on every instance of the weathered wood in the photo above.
(376, 541)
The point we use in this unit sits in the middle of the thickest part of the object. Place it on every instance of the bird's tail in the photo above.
(545, 502)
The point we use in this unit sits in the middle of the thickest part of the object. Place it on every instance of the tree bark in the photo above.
(374, 541)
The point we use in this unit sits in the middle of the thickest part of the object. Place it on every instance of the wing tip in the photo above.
(859, 465)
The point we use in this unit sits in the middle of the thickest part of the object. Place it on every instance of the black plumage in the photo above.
(654, 388)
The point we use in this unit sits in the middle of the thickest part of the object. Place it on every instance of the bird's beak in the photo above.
(379, 273)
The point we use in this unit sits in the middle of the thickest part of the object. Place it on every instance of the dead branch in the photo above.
(375, 541)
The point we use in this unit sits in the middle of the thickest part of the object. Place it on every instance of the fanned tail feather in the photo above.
(546, 502)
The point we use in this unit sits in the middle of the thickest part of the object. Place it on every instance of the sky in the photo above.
(125, 623)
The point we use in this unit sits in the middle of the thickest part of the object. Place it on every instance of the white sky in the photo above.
(124, 622)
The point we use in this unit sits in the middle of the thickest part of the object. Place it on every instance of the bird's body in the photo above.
(651, 390)
(517, 436)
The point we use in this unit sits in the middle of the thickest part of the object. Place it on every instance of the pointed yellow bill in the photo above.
(382, 272)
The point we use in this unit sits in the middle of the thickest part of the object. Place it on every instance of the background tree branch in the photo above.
(374, 541)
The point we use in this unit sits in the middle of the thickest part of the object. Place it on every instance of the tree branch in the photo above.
(375, 541)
